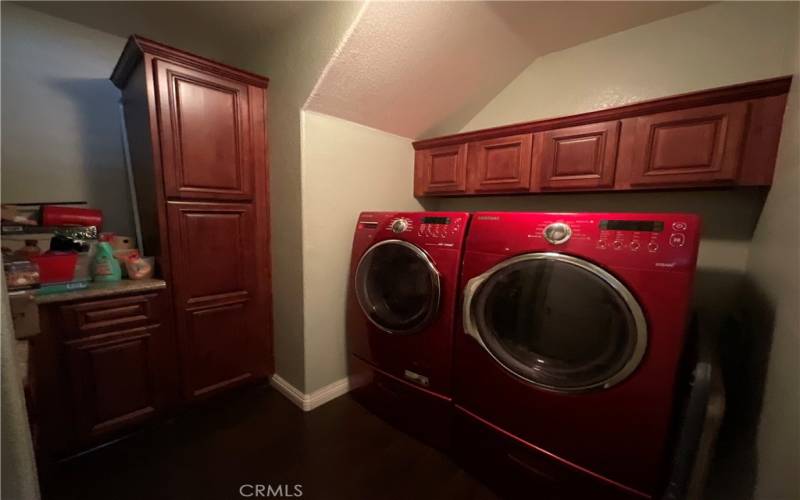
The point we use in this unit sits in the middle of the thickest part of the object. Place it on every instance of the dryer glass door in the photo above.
(397, 287)
(557, 321)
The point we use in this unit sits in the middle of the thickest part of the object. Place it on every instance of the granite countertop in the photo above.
(101, 290)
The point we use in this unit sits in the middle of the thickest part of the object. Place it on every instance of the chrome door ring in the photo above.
(471, 329)
(433, 273)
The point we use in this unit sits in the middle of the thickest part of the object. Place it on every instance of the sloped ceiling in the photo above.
(419, 69)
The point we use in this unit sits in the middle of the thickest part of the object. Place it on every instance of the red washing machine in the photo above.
(567, 365)
(400, 317)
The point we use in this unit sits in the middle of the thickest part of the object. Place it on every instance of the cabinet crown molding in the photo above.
(137, 46)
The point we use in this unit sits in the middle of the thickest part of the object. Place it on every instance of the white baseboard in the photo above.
(308, 402)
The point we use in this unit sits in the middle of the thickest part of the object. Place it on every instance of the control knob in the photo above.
(399, 225)
(557, 233)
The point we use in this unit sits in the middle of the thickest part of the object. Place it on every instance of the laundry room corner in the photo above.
(347, 168)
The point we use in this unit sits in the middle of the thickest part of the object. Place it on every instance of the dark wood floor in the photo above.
(256, 436)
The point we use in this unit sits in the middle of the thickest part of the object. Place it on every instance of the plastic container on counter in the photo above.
(21, 274)
(56, 267)
(104, 266)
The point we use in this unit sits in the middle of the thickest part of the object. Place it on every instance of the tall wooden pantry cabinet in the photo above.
(198, 145)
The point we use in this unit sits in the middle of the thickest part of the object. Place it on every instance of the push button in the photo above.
(617, 245)
(677, 239)
(679, 226)
(634, 245)
(652, 246)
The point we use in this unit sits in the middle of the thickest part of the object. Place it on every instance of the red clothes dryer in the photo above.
(400, 317)
(566, 364)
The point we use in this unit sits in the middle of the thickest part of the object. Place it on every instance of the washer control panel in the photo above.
(641, 236)
(646, 240)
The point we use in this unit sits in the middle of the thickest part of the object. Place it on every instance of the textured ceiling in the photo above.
(415, 69)
(421, 68)
(215, 29)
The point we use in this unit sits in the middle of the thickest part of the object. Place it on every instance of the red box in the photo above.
(56, 268)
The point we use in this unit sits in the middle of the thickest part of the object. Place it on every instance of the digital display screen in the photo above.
(632, 225)
(436, 220)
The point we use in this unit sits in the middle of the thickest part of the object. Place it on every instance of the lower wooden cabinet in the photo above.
(101, 367)
(113, 379)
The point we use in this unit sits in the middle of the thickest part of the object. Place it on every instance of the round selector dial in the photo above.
(557, 233)
(399, 225)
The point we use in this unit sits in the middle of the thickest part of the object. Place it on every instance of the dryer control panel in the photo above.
(431, 229)
(634, 240)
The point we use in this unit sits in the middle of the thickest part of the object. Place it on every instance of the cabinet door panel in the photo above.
(205, 134)
(579, 157)
(502, 164)
(441, 170)
(213, 242)
(219, 347)
(693, 146)
(112, 379)
(222, 331)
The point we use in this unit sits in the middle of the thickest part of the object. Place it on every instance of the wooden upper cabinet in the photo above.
(726, 136)
(690, 146)
(441, 170)
(205, 134)
(578, 157)
(499, 165)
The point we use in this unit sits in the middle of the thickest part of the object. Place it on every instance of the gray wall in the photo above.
(772, 304)
(293, 58)
(60, 122)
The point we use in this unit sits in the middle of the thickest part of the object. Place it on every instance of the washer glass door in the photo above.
(397, 287)
(557, 321)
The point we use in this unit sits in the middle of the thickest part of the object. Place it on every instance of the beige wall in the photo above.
(721, 44)
(293, 58)
(347, 168)
(60, 121)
